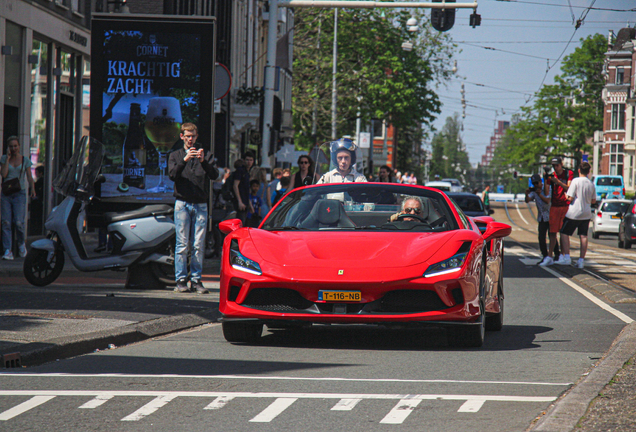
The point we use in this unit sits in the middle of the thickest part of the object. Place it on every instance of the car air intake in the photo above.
(276, 300)
(411, 301)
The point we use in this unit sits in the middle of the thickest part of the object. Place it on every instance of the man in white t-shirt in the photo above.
(581, 194)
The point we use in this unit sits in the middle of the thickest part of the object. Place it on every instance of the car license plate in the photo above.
(616, 193)
(615, 217)
(339, 296)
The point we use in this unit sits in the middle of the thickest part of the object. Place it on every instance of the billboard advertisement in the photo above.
(149, 75)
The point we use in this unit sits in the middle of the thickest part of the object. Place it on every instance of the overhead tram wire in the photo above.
(563, 5)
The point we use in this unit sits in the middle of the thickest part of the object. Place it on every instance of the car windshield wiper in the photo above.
(286, 228)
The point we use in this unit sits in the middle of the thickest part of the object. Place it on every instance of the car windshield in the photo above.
(360, 206)
(609, 181)
(615, 207)
(469, 203)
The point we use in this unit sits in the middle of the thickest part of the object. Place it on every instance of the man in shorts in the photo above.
(559, 180)
(581, 196)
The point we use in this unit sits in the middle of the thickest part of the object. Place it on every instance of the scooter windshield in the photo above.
(80, 172)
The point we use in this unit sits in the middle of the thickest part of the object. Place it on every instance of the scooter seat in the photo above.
(145, 211)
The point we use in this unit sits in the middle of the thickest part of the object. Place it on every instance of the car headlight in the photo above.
(241, 262)
(450, 265)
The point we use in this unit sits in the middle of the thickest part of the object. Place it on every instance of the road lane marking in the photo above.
(219, 402)
(471, 406)
(520, 215)
(149, 408)
(618, 314)
(401, 411)
(279, 378)
(345, 404)
(25, 406)
(273, 410)
(97, 401)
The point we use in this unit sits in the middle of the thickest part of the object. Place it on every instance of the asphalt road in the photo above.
(330, 378)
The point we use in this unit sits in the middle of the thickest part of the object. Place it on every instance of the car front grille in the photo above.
(409, 301)
(276, 300)
(404, 301)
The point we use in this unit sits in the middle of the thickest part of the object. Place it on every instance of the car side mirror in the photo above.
(230, 225)
(496, 230)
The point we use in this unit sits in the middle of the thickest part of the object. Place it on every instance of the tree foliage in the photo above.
(449, 157)
(375, 76)
(564, 115)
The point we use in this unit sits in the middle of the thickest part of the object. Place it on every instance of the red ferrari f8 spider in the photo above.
(364, 253)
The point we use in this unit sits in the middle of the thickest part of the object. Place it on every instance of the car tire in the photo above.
(494, 322)
(627, 244)
(595, 234)
(472, 336)
(242, 331)
(621, 243)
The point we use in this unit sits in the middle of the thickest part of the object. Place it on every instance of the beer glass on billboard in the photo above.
(163, 126)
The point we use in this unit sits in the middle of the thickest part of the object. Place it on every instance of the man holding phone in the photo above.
(191, 171)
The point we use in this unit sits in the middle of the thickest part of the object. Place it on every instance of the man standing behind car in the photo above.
(581, 196)
(542, 198)
(191, 171)
(559, 181)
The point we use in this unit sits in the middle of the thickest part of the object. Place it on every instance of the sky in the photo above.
(503, 62)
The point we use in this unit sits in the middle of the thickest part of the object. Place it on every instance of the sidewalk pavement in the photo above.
(84, 312)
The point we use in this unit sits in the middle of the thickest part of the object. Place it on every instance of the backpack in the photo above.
(227, 191)
(278, 195)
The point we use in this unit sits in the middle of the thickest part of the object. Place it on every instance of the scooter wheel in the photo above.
(38, 270)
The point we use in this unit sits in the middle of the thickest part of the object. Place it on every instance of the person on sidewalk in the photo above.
(559, 182)
(541, 197)
(581, 195)
(191, 171)
(485, 197)
(15, 169)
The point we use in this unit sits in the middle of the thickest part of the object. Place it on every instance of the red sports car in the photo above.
(364, 253)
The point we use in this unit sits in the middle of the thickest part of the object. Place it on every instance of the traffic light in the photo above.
(475, 20)
(514, 175)
(443, 19)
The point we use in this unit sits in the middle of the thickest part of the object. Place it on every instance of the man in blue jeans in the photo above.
(191, 171)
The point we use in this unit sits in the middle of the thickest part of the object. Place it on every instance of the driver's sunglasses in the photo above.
(413, 210)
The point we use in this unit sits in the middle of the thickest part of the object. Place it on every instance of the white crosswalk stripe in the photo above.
(346, 402)
(401, 411)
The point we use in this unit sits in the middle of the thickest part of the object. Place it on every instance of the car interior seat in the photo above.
(327, 213)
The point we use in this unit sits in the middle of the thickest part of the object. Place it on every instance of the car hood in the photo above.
(363, 250)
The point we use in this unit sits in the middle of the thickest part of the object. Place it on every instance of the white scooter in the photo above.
(143, 239)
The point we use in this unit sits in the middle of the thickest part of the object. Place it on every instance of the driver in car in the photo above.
(422, 209)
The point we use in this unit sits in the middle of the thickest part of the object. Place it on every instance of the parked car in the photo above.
(471, 204)
(627, 227)
(609, 187)
(456, 185)
(441, 185)
(608, 217)
(343, 253)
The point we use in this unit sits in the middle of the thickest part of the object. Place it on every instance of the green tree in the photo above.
(450, 158)
(375, 76)
(564, 115)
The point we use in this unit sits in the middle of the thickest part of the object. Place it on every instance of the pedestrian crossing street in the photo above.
(405, 403)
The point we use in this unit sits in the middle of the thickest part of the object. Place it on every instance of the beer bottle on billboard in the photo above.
(134, 150)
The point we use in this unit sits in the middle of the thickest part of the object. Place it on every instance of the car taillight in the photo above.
(599, 214)
(634, 209)
(623, 191)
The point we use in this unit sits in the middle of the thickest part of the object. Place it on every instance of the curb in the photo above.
(565, 413)
(37, 353)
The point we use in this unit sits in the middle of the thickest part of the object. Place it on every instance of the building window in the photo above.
(617, 155)
(618, 117)
(631, 132)
(620, 74)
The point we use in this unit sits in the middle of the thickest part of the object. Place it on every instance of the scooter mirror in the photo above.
(227, 226)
